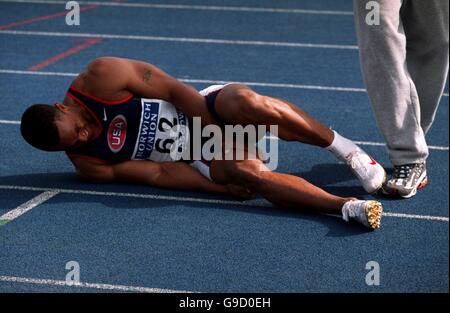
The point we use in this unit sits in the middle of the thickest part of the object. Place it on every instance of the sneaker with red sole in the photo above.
(406, 180)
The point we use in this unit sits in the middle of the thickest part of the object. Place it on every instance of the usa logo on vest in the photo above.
(117, 133)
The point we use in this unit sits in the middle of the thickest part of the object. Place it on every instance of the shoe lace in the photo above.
(353, 212)
(403, 171)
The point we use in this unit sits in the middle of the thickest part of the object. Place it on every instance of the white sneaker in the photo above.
(369, 172)
(406, 180)
(367, 212)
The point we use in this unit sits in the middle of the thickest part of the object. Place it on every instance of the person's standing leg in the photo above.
(426, 28)
(391, 89)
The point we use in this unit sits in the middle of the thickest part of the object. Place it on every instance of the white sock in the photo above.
(341, 146)
(345, 213)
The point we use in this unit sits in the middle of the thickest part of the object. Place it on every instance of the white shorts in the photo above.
(201, 165)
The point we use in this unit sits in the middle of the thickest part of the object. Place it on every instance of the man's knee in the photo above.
(253, 106)
(246, 173)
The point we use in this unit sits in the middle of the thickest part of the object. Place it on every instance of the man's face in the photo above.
(72, 128)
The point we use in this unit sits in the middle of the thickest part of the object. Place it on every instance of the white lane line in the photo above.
(38, 73)
(275, 85)
(190, 7)
(140, 195)
(208, 81)
(415, 216)
(9, 122)
(52, 282)
(204, 81)
(253, 203)
(181, 39)
(27, 206)
(381, 144)
(361, 143)
(373, 143)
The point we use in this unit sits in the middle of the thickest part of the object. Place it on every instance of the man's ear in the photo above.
(61, 107)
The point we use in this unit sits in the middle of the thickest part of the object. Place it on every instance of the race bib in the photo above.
(163, 132)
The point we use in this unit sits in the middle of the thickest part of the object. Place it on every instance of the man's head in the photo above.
(54, 128)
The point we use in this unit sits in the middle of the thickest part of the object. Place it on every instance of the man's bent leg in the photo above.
(238, 104)
(293, 192)
(280, 189)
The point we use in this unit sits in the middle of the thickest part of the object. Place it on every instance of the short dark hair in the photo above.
(38, 126)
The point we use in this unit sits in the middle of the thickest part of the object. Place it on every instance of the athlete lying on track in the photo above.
(113, 128)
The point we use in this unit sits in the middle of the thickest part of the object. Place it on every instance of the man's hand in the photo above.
(240, 192)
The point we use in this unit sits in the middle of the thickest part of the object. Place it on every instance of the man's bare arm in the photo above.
(116, 76)
(175, 175)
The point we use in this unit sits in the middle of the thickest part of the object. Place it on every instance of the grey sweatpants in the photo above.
(404, 61)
